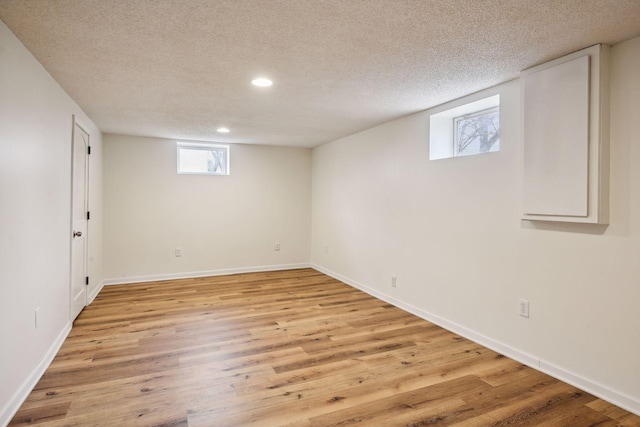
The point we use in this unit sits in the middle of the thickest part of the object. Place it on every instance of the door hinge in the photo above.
(86, 280)
(88, 215)
(88, 149)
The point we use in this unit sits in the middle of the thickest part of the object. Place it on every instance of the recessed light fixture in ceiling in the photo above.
(261, 82)
(222, 130)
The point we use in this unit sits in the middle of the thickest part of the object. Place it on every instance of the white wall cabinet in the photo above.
(565, 107)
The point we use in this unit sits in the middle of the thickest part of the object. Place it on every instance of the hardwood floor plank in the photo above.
(381, 411)
(286, 348)
(345, 353)
(42, 413)
(623, 417)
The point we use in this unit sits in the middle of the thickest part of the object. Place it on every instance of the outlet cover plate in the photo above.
(523, 308)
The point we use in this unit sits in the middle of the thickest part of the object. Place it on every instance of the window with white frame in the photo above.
(467, 129)
(203, 159)
(476, 133)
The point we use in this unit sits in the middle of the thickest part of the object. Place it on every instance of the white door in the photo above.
(79, 220)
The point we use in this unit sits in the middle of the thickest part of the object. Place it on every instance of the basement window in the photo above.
(203, 159)
(476, 133)
(465, 130)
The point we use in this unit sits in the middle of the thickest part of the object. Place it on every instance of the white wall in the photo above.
(221, 223)
(35, 218)
(450, 230)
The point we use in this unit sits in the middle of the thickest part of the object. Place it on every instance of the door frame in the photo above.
(78, 123)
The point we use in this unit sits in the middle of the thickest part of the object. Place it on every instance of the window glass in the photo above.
(465, 129)
(203, 159)
(477, 133)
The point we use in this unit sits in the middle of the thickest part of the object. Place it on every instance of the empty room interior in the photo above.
(320, 212)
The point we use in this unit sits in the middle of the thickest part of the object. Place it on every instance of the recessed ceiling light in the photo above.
(223, 130)
(261, 82)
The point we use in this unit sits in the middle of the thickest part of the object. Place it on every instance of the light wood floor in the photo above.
(291, 348)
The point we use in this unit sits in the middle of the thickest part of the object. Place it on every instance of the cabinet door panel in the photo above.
(556, 139)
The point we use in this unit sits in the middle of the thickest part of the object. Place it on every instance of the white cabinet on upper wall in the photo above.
(565, 107)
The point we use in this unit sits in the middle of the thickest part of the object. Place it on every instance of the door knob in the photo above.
(77, 233)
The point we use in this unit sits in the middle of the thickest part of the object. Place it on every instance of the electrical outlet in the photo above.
(523, 308)
(178, 252)
(276, 246)
(37, 317)
(393, 281)
(326, 249)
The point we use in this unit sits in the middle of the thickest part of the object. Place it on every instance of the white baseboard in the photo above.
(622, 400)
(95, 293)
(18, 398)
(192, 274)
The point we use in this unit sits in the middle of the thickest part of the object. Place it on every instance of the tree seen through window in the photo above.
(477, 133)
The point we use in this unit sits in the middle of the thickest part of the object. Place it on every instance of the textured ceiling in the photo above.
(181, 68)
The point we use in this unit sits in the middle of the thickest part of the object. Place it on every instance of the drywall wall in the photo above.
(450, 230)
(221, 223)
(35, 218)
